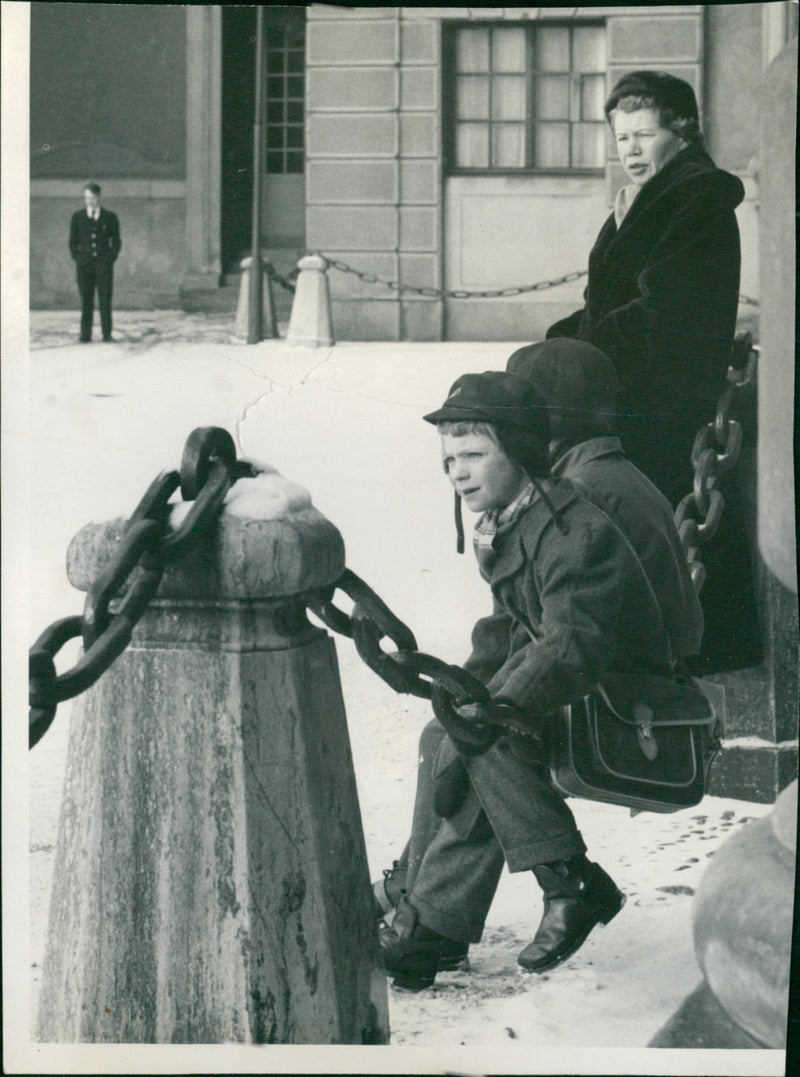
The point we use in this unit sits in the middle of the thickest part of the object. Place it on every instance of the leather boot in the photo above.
(578, 895)
(388, 890)
(413, 954)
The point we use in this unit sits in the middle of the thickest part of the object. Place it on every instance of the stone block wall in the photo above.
(373, 184)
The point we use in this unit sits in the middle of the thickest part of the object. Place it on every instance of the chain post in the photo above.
(121, 592)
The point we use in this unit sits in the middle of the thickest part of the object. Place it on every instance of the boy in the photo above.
(570, 603)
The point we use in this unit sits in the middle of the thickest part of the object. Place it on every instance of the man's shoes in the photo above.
(413, 954)
(109, 340)
(578, 895)
(388, 890)
(85, 340)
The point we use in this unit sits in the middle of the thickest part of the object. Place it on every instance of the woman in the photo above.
(661, 302)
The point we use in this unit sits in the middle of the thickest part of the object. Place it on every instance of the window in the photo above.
(527, 97)
(285, 62)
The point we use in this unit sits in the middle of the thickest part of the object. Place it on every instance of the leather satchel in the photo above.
(642, 741)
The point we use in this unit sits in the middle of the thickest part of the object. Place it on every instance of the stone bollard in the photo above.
(211, 882)
(269, 322)
(311, 323)
(742, 918)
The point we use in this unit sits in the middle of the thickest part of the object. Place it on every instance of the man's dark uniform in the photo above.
(94, 246)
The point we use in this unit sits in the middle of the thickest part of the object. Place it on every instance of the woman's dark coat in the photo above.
(661, 302)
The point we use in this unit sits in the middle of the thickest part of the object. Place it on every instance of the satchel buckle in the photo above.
(643, 716)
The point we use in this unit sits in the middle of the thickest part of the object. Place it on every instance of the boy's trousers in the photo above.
(511, 813)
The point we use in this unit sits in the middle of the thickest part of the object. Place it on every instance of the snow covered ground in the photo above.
(346, 423)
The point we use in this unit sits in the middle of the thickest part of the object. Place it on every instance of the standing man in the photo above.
(94, 244)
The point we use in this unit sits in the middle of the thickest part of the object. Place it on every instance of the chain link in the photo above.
(121, 592)
(285, 282)
(410, 671)
(715, 450)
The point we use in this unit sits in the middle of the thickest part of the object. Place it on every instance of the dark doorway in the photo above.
(283, 191)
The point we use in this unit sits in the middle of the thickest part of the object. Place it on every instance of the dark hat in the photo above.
(668, 90)
(569, 374)
(495, 397)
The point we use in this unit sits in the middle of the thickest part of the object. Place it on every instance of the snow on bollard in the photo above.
(211, 880)
(269, 322)
(310, 323)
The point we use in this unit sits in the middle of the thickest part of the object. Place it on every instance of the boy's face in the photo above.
(480, 472)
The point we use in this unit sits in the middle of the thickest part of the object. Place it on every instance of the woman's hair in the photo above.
(672, 98)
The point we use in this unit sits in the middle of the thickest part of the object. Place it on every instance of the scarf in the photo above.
(492, 525)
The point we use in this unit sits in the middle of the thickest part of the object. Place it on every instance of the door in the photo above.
(283, 184)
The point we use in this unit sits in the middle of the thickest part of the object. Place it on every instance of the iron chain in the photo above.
(715, 450)
(130, 580)
(458, 293)
(410, 671)
(285, 282)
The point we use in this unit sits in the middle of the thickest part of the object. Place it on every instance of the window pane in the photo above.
(508, 49)
(295, 61)
(552, 48)
(588, 145)
(275, 112)
(275, 88)
(508, 98)
(508, 145)
(472, 145)
(294, 86)
(589, 48)
(274, 137)
(593, 93)
(294, 162)
(275, 62)
(552, 97)
(473, 97)
(275, 163)
(472, 50)
(294, 137)
(294, 111)
(552, 145)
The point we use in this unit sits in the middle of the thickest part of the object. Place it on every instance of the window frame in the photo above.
(450, 99)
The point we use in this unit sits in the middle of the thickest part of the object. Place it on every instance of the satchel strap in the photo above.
(602, 508)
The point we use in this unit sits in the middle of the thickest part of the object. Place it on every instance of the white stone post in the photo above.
(311, 324)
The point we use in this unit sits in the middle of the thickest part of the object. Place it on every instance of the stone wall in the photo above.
(373, 166)
(108, 103)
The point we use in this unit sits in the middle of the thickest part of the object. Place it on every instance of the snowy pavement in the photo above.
(346, 423)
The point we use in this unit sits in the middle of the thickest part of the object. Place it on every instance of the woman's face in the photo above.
(643, 145)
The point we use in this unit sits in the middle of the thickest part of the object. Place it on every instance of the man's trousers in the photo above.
(511, 813)
(97, 274)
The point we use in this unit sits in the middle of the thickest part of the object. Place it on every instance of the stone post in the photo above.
(210, 881)
(310, 323)
(761, 704)
(269, 325)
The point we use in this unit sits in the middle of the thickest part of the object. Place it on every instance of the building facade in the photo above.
(441, 149)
